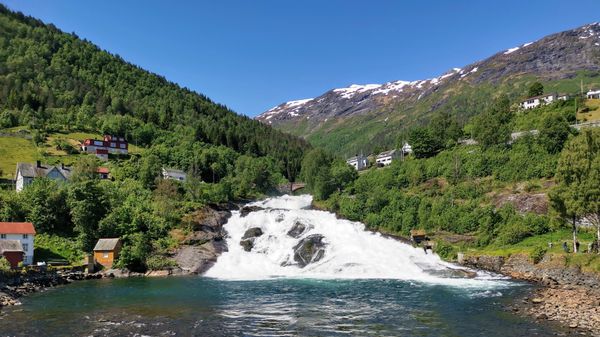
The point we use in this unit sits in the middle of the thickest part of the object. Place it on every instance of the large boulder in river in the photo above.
(310, 249)
(297, 229)
(250, 235)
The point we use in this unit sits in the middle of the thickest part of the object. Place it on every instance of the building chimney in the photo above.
(38, 163)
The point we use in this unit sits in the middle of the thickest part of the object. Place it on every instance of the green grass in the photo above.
(13, 150)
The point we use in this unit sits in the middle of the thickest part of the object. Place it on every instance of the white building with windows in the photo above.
(27, 172)
(536, 101)
(23, 232)
(593, 94)
(386, 158)
(359, 162)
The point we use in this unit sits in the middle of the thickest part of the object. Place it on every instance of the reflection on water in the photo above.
(206, 307)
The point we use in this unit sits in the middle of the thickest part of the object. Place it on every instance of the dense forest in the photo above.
(52, 83)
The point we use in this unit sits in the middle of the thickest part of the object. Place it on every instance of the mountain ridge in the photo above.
(550, 59)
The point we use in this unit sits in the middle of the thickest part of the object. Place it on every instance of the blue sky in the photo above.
(252, 55)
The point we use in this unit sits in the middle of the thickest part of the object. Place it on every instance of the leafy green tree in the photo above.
(575, 176)
(424, 143)
(553, 132)
(87, 204)
(316, 173)
(535, 89)
(86, 168)
(46, 206)
(150, 169)
(493, 127)
(342, 174)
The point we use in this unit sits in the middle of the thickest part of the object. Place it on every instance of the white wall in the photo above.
(27, 244)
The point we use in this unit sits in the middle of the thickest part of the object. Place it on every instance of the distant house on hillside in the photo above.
(406, 148)
(536, 101)
(101, 148)
(174, 174)
(103, 172)
(386, 158)
(107, 251)
(359, 162)
(12, 251)
(27, 172)
(24, 233)
(593, 94)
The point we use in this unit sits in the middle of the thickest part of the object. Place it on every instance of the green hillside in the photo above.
(58, 90)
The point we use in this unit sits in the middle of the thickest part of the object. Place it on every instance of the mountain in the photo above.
(53, 81)
(362, 117)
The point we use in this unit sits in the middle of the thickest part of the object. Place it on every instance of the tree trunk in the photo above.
(574, 236)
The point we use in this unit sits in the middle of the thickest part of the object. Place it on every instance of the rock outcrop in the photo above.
(309, 250)
(203, 246)
(298, 229)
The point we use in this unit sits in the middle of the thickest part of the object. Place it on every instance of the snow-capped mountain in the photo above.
(557, 57)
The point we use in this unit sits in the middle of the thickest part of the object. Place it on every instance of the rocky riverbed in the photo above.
(569, 295)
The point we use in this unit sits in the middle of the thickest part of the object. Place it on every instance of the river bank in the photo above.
(568, 295)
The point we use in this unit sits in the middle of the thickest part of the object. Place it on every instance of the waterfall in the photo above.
(349, 252)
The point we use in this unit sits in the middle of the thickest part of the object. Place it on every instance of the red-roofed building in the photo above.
(101, 148)
(24, 232)
(103, 172)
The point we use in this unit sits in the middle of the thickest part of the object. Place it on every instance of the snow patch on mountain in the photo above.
(354, 89)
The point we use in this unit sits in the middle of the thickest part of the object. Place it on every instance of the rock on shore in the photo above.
(570, 296)
(201, 249)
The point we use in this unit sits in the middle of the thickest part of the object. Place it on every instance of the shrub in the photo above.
(537, 254)
(158, 262)
(4, 264)
(445, 250)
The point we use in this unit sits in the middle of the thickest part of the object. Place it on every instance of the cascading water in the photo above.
(350, 252)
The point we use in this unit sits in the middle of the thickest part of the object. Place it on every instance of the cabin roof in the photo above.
(386, 153)
(10, 246)
(30, 170)
(106, 244)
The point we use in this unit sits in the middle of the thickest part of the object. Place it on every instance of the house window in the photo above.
(2, 236)
(25, 247)
(105, 255)
(25, 236)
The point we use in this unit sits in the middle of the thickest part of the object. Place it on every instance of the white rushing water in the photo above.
(350, 251)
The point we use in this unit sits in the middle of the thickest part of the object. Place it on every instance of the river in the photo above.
(362, 285)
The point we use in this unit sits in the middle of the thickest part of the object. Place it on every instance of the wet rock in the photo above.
(253, 232)
(537, 300)
(250, 235)
(542, 316)
(249, 209)
(297, 229)
(309, 250)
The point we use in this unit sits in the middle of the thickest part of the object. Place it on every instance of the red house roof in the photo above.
(103, 170)
(16, 228)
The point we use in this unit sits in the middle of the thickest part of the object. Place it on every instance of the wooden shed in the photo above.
(12, 251)
(107, 251)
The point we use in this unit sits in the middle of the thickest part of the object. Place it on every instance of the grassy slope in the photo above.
(14, 149)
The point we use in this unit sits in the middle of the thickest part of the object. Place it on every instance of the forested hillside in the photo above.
(57, 90)
(53, 81)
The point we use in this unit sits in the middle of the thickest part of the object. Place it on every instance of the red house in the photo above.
(101, 148)
(12, 250)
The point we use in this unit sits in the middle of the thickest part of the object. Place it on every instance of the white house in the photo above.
(406, 148)
(170, 173)
(386, 158)
(534, 102)
(26, 172)
(359, 162)
(593, 94)
(23, 232)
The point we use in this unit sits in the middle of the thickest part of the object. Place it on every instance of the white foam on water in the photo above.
(350, 253)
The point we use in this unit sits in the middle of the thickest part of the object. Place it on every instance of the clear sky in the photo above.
(252, 54)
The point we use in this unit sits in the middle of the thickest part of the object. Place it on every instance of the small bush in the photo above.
(4, 264)
(537, 254)
(445, 250)
(158, 262)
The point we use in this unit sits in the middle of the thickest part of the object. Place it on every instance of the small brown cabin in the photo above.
(418, 235)
(107, 251)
